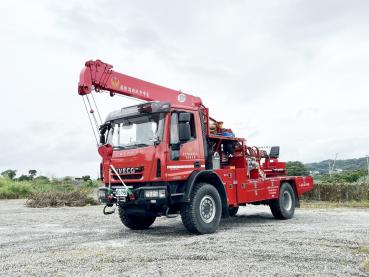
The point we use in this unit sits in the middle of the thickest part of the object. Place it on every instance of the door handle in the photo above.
(197, 164)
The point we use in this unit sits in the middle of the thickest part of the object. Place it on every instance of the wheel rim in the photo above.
(287, 200)
(207, 209)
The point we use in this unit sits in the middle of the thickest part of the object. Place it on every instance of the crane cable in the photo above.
(89, 118)
(97, 109)
(93, 113)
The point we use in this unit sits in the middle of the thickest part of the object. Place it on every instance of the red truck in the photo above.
(167, 156)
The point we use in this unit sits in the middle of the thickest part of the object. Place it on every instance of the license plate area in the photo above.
(121, 192)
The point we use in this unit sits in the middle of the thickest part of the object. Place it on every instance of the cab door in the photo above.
(186, 153)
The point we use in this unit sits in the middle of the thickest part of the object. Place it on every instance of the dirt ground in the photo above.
(82, 241)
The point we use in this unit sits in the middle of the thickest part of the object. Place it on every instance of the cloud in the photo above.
(292, 73)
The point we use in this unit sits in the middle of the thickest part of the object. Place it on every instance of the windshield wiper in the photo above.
(119, 147)
(131, 146)
(136, 145)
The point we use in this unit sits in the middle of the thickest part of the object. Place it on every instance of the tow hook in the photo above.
(168, 215)
(108, 212)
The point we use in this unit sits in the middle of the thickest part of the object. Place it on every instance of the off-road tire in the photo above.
(209, 198)
(284, 206)
(233, 211)
(135, 222)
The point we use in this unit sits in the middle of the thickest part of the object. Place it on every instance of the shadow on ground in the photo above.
(175, 228)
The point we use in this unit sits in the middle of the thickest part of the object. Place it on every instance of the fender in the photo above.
(207, 176)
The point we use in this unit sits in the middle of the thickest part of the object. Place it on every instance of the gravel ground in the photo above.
(82, 241)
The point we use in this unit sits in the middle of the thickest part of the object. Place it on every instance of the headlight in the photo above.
(101, 193)
(151, 193)
(155, 193)
(162, 193)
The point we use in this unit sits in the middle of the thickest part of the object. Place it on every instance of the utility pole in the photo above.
(331, 169)
(334, 162)
(367, 163)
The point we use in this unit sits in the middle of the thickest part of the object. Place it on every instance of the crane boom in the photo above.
(100, 76)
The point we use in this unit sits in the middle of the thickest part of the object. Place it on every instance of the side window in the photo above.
(174, 137)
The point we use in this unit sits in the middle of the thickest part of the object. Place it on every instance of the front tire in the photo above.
(284, 206)
(135, 222)
(202, 214)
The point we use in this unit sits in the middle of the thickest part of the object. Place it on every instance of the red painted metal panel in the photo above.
(228, 177)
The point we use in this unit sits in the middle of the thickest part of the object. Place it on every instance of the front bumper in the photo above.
(156, 195)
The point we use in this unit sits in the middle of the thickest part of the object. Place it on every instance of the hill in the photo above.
(349, 164)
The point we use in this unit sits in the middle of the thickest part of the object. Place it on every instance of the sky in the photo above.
(290, 73)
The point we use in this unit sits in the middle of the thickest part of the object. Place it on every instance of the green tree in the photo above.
(24, 178)
(32, 173)
(67, 179)
(9, 173)
(296, 168)
(86, 178)
(42, 178)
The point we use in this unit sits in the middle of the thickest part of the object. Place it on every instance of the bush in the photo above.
(41, 179)
(349, 176)
(54, 198)
(40, 192)
(14, 190)
(364, 179)
(339, 192)
(296, 169)
(90, 184)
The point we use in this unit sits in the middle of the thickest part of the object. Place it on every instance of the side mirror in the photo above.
(184, 117)
(103, 128)
(184, 131)
(102, 138)
(184, 128)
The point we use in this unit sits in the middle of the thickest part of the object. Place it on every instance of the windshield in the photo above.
(136, 132)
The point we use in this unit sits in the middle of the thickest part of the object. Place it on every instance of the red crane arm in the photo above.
(99, 75)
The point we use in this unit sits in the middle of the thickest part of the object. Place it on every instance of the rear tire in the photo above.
(135, 222)
(284, 206)
(202, 214)
(233, 211)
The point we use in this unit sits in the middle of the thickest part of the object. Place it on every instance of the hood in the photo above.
(134, 165)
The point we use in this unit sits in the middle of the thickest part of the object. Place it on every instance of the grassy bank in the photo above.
(54, 193)
(339, 192)
(337, 195)
(68, 192)
(327, 204)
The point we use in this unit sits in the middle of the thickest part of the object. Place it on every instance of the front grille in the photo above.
(127, 177)
(129, 170)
